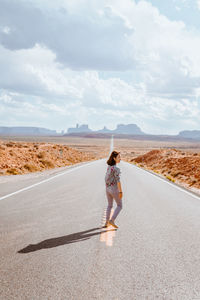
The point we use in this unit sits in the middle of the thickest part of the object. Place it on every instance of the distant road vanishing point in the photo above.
(53, 246)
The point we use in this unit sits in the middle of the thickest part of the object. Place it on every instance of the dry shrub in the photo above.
(170, 178)
(12, 171)
(30, 167)
(47, 163)
(175, 173)
(41, 155)
(156, 171)
(36, 146)
(19, 146)
(10, 144)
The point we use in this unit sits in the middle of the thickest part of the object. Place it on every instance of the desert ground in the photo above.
(92, 146)
(21, 155)
(177, 161)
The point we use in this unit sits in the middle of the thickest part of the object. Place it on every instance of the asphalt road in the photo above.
(52, 245)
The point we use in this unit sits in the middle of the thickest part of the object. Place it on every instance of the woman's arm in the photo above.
(120, 189)
(119, 186)
(116, 173)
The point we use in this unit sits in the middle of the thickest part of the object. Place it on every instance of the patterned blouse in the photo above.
(112, 175)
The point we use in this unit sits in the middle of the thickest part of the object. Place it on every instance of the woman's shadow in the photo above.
(62, 240)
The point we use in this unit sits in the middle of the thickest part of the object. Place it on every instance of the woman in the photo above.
(113, 188)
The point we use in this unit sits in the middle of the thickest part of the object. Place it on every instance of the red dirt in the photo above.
(173, 164)
(22, 157)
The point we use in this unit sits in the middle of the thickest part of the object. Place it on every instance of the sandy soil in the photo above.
(178, 161)
(22, 157)
(182, 167)
(94, 146)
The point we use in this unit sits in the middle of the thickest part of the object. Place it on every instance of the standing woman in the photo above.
(113, 188)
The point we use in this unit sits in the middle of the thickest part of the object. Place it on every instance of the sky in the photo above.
(101, 63)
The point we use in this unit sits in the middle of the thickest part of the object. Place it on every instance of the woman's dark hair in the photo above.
(111, 160)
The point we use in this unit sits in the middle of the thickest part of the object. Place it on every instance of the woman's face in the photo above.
(118, 158)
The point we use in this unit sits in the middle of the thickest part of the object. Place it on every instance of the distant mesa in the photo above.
(121, 129)
(192, 134)
(131, 131)
(128, 129)
(104, 130)
(82, 128)
(32, 131)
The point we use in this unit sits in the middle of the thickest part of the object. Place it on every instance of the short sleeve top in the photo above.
(112, 175)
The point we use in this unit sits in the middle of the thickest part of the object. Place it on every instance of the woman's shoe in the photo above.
(112, 223)
(106, 224)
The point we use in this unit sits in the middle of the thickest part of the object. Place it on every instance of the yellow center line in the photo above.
(108, 235)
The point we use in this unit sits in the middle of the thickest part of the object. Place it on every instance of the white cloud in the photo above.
(198, 4)
(5, 30)
(80, 41)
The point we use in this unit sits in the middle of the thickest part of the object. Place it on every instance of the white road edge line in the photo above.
(170, 183)
(48, 179)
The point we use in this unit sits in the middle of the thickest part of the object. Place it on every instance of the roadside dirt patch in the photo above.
(175, 165)
(22, 157)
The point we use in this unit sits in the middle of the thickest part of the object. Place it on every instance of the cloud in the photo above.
(35, 71)
(167, 51)
(52, 55)
(98, 41)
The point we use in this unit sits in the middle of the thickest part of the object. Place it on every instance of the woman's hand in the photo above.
(120, 195)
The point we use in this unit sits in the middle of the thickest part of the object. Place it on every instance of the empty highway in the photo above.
(53, 245)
